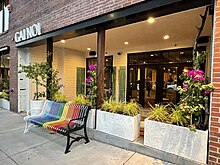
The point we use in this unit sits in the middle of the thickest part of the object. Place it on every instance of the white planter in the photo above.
(176, 140)
(36, 106)
(91, 119)
(5, 104)
(126, 127)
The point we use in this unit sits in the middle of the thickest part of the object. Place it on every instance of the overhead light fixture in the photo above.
(126, 43)
(88, 48)
(166, 37)
(150, 20)
(62, 41)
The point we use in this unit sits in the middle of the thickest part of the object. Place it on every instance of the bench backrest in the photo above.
(53, 109)
(74, 111)
(64, 111)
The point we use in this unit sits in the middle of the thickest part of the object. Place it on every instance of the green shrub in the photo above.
(132, 108)
(177, 116)
(159, 113)
(58, 96)
(4, 95)
(129, 109)
(80, 99)
(168, 114)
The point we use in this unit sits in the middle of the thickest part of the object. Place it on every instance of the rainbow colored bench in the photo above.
(62, 118)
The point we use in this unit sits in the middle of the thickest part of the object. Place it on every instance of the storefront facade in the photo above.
(32, 25)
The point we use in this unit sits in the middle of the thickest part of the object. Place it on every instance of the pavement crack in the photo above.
(129, 158)
(9, 157)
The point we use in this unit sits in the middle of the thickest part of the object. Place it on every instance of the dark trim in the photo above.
(129, 14)
(49, 56)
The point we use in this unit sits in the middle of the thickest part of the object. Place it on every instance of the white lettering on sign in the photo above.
(27, 33)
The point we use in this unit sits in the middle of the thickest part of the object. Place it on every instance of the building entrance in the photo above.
(153, 77)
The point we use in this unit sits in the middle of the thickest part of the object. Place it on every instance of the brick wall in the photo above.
(52, 14)
(214, 145)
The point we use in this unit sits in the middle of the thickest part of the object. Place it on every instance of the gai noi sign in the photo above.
(27, 33)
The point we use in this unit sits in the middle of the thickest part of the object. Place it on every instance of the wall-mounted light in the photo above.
(62, 41)
(150, 20)
(166, 37)
(126, 43)
(88, 48)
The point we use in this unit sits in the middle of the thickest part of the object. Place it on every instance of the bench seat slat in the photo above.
(52, 113)
(61, 126)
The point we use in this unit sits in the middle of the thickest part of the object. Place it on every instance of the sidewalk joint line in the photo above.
(9, 157)
(129, 158)
(10, 130)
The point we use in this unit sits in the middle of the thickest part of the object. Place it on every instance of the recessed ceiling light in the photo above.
(62, 41)
(126, 43)
(166, 37)
(150, 20)
(88, 48)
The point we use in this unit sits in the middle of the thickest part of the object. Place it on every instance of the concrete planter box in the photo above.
(176, 140)
(91, 119)
(5, 104)
(126, 127)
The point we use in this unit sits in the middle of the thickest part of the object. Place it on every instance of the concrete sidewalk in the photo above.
(40, 147)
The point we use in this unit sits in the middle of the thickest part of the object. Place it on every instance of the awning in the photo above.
(4, 50)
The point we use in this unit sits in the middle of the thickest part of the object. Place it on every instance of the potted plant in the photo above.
(166, 129)
(162, 127)
(119, 119)
(37, 72)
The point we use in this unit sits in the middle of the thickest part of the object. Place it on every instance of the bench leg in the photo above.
(26, 130)
(67, 144)
(86, 136)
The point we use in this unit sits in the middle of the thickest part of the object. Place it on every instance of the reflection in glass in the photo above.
(150, 87)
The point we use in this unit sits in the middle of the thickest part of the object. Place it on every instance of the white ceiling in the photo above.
(142, 36)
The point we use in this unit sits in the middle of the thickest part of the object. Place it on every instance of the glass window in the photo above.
(4, 15)
(109, 82)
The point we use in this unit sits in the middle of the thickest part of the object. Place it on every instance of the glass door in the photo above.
(150, 76)
(142, 85)
(134, 84)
